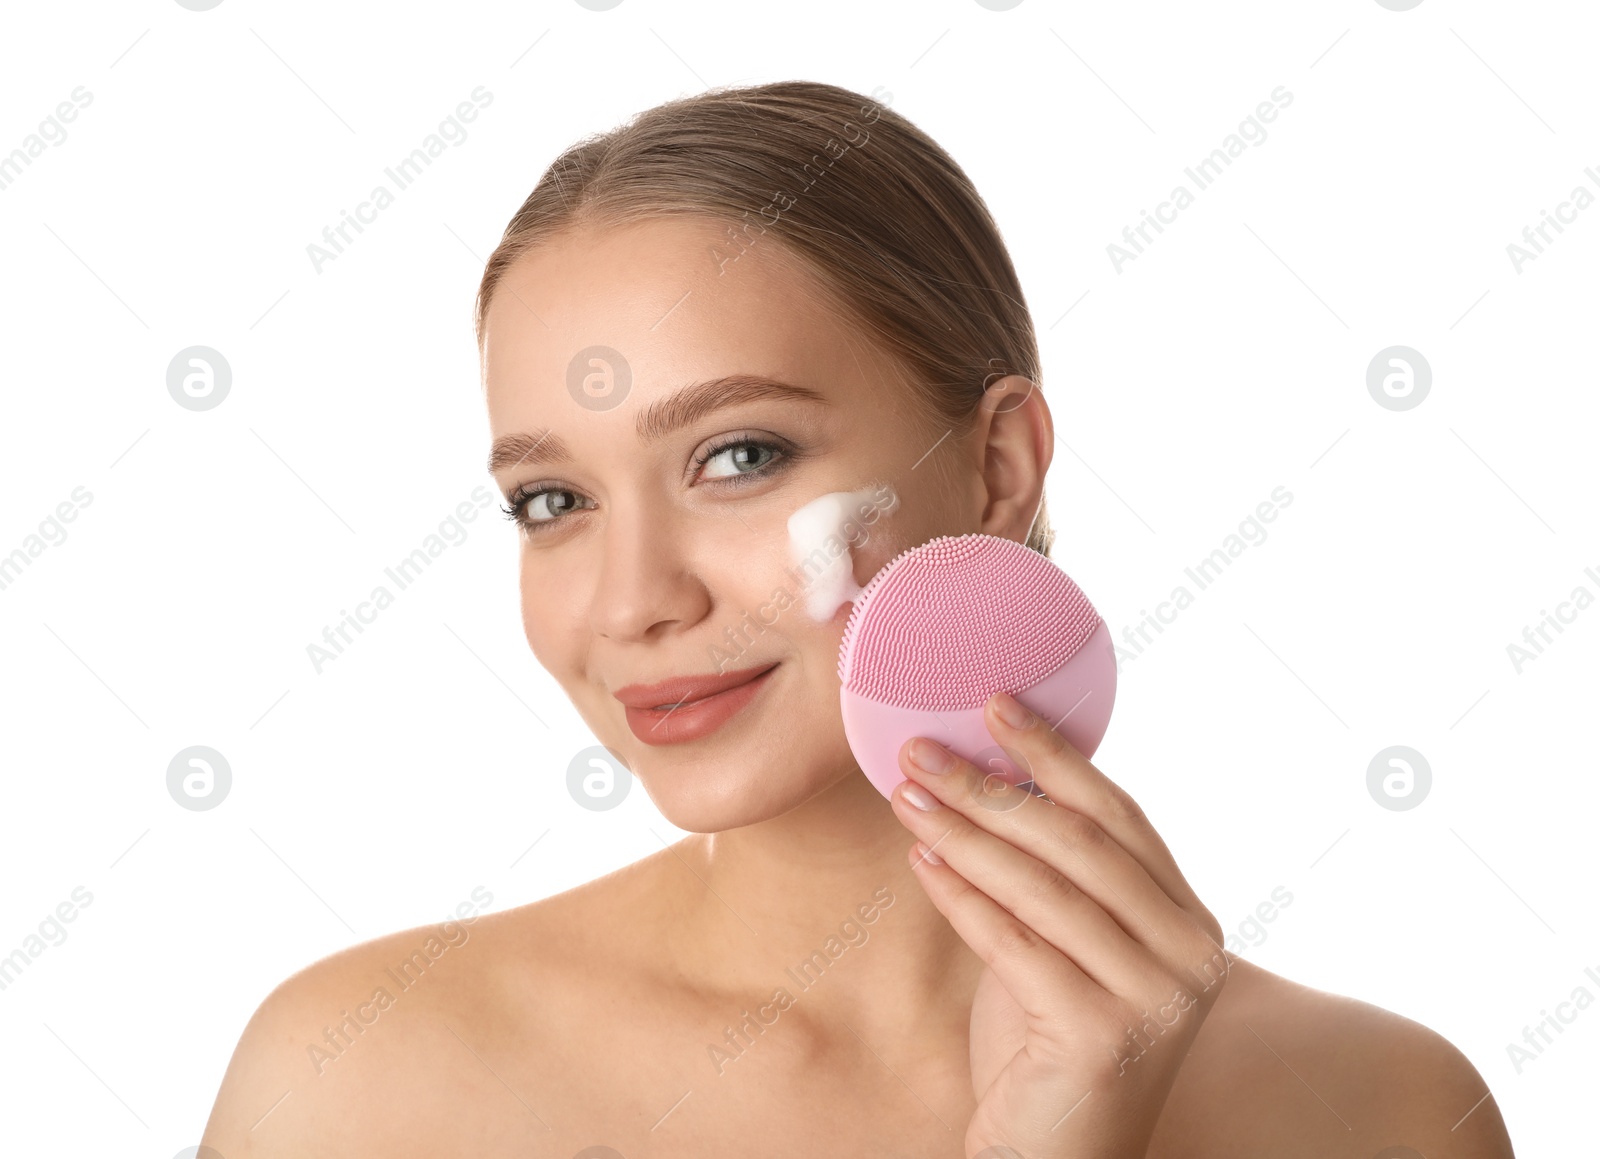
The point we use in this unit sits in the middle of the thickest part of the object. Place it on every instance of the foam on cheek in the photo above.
(822, 536)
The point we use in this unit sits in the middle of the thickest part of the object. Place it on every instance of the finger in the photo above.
(1069, 779)
(1042, 980)
(1072, 843)
(1038, 895)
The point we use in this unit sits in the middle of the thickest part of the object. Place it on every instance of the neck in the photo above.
(821, 902)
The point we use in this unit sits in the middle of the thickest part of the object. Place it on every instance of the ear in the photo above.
(1015, 436)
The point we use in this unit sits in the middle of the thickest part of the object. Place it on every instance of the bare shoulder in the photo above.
(379, 1048)
(1283, 1066)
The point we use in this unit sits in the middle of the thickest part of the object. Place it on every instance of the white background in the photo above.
(1229, 359)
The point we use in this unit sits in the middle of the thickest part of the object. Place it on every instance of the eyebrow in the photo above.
(662, 417)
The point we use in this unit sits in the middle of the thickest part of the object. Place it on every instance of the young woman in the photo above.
(693, 326)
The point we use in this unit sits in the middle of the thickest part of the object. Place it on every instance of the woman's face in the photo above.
(655, 508)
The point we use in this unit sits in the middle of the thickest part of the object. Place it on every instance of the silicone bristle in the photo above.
(945, 625)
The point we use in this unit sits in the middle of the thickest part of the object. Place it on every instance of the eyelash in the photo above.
(521, 498)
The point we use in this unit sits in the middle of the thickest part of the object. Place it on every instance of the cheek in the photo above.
(548, 613)
(758, 605)
(759, 609)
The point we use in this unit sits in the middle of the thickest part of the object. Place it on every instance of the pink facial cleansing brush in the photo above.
(942, 627)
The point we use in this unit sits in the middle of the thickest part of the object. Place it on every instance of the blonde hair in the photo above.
(884, 217)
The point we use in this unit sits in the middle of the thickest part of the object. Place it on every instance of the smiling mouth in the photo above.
(700, 712)
(675, 704)
(695, 689)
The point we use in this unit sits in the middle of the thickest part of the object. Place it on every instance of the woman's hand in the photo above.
(1101, 961)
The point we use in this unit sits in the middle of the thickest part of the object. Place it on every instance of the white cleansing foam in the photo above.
(822, 536)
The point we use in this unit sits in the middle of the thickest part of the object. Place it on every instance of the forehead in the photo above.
(676, 298)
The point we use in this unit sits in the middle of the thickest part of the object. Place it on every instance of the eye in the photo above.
(535, 509)
(739, 456)
(539, 507)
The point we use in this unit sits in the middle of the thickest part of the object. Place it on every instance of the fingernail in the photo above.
(930, 757)
(1012, 711)
(918, 796)
(929, 855)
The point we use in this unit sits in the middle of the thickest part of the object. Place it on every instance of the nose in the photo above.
(646, 585)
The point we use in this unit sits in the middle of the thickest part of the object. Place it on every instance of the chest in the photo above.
(772, 1089)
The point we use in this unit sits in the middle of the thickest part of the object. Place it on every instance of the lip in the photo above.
(698, 705)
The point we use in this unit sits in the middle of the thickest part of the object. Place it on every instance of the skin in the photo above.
(988, 993)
